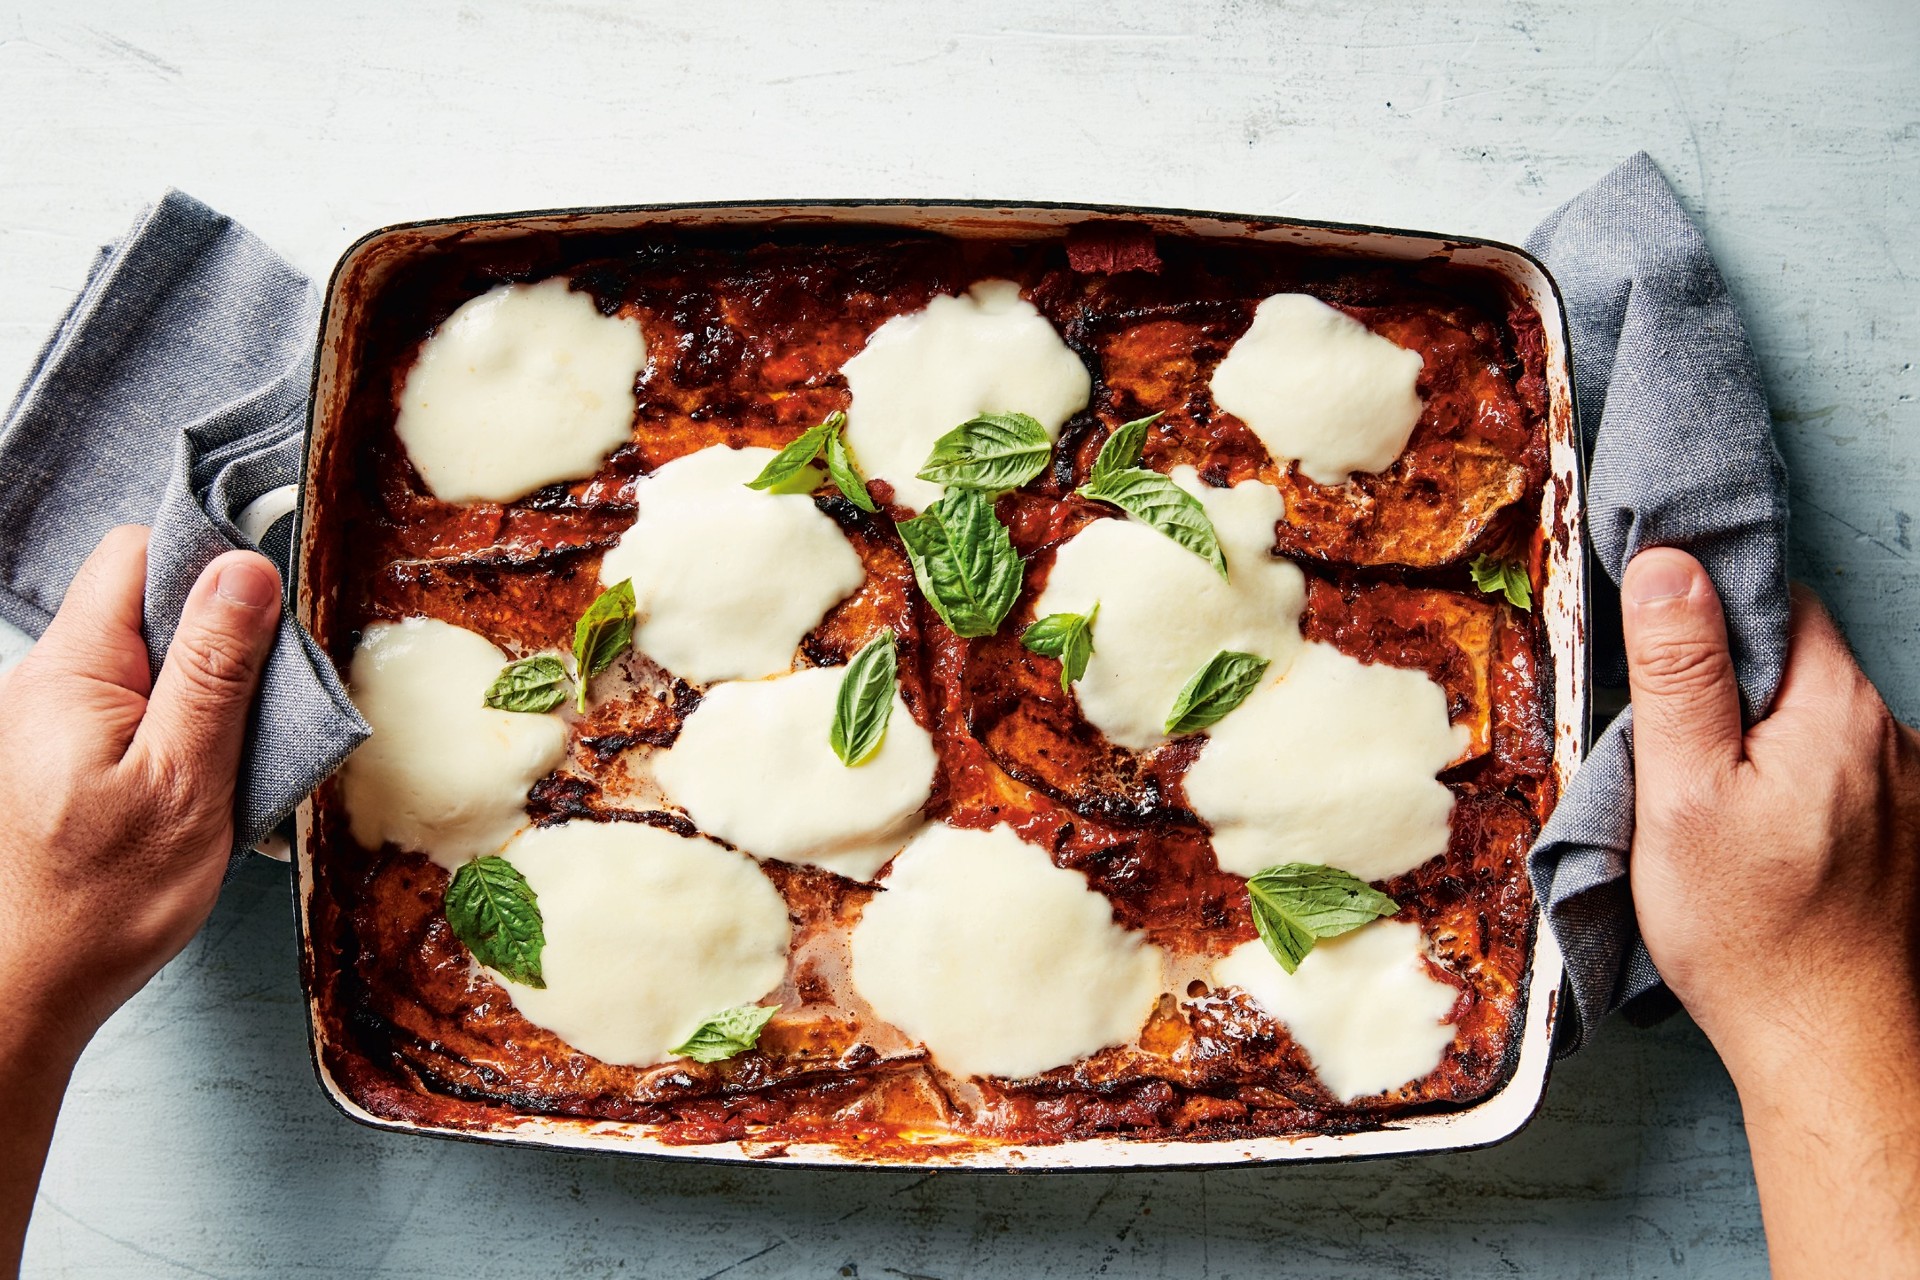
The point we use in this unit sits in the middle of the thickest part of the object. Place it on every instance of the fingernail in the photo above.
(245, 583)
(1660, 579)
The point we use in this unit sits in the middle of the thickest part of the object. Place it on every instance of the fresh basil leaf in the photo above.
(846, 476)
(602, 634)
(532, 684)
(493, 910)
(993, 451)
(865, 704)
(1066, 636)
(728, 1033)
(1296, 905)
(964, 561)
(791, 460)
(1155, 500)
(1121, 452)
(1503, 578)
(801, 483)
(1216, 688)
(1048, 636)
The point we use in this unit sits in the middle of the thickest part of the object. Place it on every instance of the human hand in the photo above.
(116, 790)
(1776, 878)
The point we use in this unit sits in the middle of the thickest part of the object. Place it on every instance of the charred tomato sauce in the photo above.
(747, 333)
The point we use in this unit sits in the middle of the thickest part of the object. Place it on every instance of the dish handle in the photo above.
(258, 523)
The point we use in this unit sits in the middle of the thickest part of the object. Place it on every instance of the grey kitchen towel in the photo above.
(173, 394)
(1681, 454)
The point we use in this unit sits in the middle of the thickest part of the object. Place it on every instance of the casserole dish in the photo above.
(344, 365)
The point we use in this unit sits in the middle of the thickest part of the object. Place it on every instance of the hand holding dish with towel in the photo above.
(1776, 877)
(116, 817)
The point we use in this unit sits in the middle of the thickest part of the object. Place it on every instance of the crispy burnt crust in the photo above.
(747, 337)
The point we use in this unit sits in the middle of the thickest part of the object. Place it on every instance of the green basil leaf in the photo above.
(1296, 905)
(602, 634)
(532, 684)
(846, 476)
(964, 561)
(793, 459)
(1066, 636)
(492, 909)
(993, 451)
(1216, 688)
(1049, 636)
(1155, 500)
(865, 704)
(728, 1033)
(802, 482)
(1121, 452)
(1503, 578)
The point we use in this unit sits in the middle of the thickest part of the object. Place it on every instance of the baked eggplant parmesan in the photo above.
(851, 686)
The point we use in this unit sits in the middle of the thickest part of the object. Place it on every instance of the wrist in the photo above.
(1832, 1117)
(35, 1065)
(1845, 1051)
(40, 1036)
(37, 1057)
(38, 1054)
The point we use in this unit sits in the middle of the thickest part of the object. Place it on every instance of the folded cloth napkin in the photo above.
(186, 358)
(1681, 454)
(173, 394)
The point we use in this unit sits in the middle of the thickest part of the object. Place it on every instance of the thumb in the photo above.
(197, 717)
(1686, 703)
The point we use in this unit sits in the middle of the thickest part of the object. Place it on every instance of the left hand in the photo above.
(116, 790)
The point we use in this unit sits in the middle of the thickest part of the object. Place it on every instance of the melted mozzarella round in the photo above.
(649, 934)
(754, 766)
(1320, 388)
(1001, 963)
(728, 580)
(921, 375)
(525, 385)
(1164, 611)
(1333, 763)
(442, 774)
(1365, 1006)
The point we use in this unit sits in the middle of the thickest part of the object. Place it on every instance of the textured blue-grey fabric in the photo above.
(173, 394)
(1680, 454)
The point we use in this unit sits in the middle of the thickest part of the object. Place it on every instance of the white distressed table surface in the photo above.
(195, 1141)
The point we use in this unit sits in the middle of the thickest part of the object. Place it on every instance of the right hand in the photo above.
(1776, 879)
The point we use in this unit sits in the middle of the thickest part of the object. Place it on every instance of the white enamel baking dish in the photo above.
(367, 263)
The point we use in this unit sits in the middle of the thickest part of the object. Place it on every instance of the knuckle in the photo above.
(1858, 721)
(1684, 665)
(1892, 743)
(1692, 804)
(216, 667)
(1907, 749)
(1874, 717)
(175, 788)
